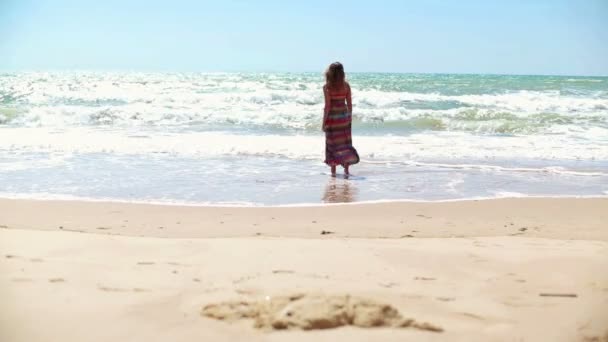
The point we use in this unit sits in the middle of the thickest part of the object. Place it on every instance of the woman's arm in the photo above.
(349, 101)
(327, 106)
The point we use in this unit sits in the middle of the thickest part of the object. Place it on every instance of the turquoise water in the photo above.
(252, 138)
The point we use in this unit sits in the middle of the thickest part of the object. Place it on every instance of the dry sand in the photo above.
(491, 270)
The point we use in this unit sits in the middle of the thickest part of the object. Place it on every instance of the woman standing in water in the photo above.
(337, 120)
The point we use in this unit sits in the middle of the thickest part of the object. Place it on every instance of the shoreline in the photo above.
(532, 217)
(69, 198)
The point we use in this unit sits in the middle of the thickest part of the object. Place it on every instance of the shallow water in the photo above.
(255, 138)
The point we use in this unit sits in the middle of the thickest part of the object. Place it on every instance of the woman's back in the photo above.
(338, 98)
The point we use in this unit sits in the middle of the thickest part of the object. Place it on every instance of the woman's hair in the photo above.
(334, 76)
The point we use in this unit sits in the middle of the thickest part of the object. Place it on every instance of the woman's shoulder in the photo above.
(344, 89)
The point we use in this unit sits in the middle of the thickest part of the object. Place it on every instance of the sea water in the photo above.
(256, 139)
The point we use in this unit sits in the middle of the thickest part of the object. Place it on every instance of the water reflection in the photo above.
(340, 191)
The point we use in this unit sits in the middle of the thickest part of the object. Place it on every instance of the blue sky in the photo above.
(467, 36)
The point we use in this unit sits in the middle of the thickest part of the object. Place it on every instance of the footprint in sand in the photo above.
(146, 263)
(596, 338)
(312, 312)
(424, 278)
(173, 263)
(282, 271)
(470, 315)
(446, 299)
(72, 230)
(119, 289)
(12, 256)
(21, 280)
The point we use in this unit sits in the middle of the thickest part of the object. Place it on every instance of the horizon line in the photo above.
(270, 71)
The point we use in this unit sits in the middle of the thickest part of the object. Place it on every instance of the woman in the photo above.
(337, 120)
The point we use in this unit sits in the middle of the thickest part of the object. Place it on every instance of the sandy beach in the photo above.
(525, 269)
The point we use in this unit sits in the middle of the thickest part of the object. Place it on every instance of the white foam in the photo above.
(423, 146)
(47, 196)
(135, 99)
(495, 168)
(509, 194)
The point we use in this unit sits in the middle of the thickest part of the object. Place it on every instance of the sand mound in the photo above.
(309, 312)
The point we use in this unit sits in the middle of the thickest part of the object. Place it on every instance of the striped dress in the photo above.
(339, 148)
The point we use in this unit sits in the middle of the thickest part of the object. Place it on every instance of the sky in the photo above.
(548, 37)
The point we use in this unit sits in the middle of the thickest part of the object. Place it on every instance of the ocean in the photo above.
(256, 139)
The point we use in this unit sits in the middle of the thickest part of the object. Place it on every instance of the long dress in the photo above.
(339, 148)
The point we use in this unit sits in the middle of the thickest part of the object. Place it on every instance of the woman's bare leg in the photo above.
(333, 170)
(346, 170)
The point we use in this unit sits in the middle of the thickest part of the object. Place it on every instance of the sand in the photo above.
(488, 270)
